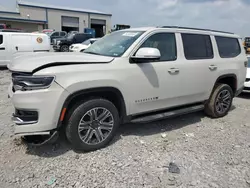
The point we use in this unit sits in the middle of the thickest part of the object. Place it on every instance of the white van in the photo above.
(13, 44)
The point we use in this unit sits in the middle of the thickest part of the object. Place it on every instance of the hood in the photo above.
(36, 61)
(60, 39)
(79, 46)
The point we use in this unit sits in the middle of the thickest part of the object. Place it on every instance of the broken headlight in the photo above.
(26, 83)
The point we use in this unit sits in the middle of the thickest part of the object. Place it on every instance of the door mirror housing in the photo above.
(146, 55)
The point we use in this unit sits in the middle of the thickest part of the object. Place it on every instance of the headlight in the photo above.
(24, 83)
(58, 42)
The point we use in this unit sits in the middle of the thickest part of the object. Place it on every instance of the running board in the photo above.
(168, 114)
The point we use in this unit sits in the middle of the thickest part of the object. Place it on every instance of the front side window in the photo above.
(1, 39)
(228, 47)
(114, 44)
(165, 43)
(197, 46)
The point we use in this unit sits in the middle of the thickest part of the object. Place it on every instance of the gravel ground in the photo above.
(209, 153)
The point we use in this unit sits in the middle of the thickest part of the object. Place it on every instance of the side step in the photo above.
(168, 114)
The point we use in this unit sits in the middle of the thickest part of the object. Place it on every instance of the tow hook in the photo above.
(40, 140)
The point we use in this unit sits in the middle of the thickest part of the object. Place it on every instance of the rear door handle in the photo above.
(17, 48)
(212, 67)
(3, 48)
(173, 70)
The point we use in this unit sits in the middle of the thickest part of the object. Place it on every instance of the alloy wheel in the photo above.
(95, 126)
(223, 101)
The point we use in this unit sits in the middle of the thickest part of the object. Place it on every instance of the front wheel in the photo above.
(220, 101)
(92, 124)
(64, 48)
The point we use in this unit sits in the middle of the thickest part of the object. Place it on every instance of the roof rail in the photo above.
(199, 29)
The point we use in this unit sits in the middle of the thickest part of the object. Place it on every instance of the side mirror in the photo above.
(146, 55)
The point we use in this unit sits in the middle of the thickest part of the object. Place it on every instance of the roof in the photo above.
(184, 29)
(39, 5)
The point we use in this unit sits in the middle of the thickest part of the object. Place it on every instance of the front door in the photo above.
(156, 85)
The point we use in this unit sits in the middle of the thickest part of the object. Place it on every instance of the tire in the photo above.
(220, 101)
(64, 48)
(92, 136)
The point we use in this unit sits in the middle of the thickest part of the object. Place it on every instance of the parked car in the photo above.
(136, 75)
(82, 46)
(14, 43)
(247, 44)
(63, 45)
(57, 35)
(247, 81)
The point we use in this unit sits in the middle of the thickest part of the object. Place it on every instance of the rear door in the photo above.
(40, 43)
(199, 71)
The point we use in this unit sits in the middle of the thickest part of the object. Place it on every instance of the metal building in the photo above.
(36, 17)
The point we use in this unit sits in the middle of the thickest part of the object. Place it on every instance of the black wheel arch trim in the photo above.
(226, 76)
(117, 92)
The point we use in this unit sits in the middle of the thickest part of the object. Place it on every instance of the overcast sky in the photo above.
(227, 15)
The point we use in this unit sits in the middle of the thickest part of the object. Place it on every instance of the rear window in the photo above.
(247, 39)
(197, 46)
(1, 39)
(228, 47)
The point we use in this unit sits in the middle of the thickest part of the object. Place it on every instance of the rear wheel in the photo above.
(64, 48)
(220, 101)
(92, 124)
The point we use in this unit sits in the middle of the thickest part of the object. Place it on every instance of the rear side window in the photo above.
(1, 39)
(197, 46)
(62, 34)
(228, 47)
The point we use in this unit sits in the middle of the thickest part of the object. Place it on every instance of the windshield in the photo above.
(114, 44)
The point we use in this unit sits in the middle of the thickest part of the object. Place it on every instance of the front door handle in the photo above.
(173, 70)
(212, 67)
(16, 48)
(3, 48)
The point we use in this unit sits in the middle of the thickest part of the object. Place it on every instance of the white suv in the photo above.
(135, 75)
